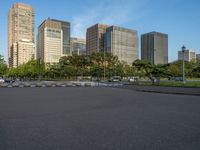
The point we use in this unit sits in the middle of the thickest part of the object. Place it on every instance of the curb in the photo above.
(34, 85)
(164, 92)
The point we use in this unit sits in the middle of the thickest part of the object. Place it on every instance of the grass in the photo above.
(195, 84)
(181, 84)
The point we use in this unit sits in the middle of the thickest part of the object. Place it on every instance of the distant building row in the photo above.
(123, 43)
(188, 55)
(119, 41)
(54, 40)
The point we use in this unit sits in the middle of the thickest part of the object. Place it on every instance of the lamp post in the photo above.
(183, 54)
(104, 66)
(39, 66)
(78, 52)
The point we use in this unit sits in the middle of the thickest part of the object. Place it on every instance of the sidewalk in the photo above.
(165, 90)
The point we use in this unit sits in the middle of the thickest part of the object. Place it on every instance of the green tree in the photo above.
(3, 66)
(13, 72)
(74, 65)
(32, 70)
(107, 62)
(196, 71)
(145, 67)
(53, 71)
(176, 68)
(151, 71)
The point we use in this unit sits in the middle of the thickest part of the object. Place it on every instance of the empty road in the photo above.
(85, 118)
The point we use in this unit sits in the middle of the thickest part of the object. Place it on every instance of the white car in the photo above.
(2, 80)
(132, 79)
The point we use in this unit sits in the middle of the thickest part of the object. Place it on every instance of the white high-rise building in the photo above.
(20, 34)
(187, 55)
(23, 52)
(53, 40)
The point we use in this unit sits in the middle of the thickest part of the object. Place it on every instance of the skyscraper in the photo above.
(78, 46)
(123, 43)
(187, 55)
(95, 38)
(65, 26)
(154, 47)
(53, 40)
(20, 34)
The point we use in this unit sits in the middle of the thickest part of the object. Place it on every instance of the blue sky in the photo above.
(180, 19)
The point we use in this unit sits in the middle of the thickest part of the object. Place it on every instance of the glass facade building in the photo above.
(123, 43)
(95, 38)
(66, 36)
(78, 46)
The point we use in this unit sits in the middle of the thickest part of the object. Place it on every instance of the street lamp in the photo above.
(183, 54)
(78, 51)
(39, 65)
(104, 66)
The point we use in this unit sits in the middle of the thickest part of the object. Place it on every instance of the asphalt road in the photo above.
(97, 119)
(165, 89)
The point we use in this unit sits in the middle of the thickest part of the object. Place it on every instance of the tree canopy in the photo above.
(3, 66)
(97, 65)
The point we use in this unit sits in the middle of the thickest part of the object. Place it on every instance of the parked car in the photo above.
(9, 81)
(177, 78)
(132, 79)
(115, 79)
(17, 79)
(2, 80)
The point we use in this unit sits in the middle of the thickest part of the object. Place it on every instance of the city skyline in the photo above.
(179, 19)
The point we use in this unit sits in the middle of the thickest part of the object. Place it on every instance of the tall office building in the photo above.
(95, 38)
(78, 46)
(187, 55)
(20, 34)
(53, 40)
(123, 43)
(154, 47)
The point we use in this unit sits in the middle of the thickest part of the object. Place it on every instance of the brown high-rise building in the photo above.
(119, 41)
(95, 38)
(20, 34)
(154, 47)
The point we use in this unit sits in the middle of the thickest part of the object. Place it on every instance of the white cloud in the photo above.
(116, 12)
